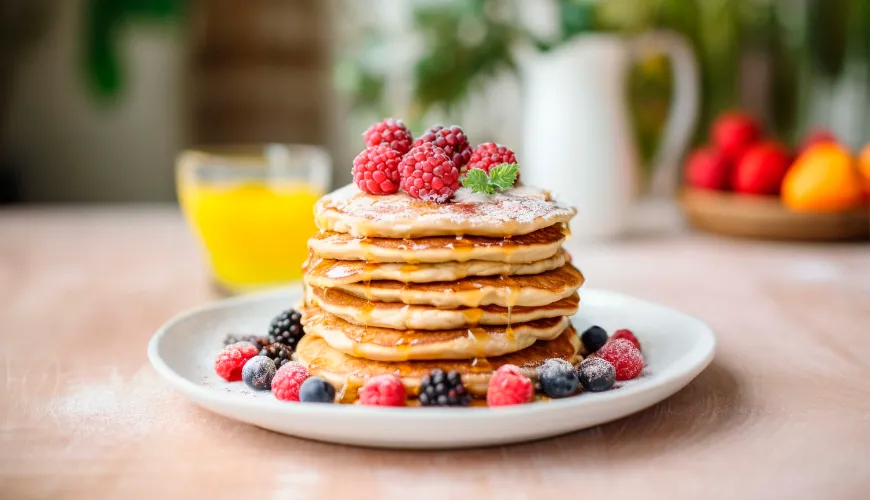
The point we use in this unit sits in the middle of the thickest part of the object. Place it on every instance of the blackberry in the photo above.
(443, 389)
(260, 342)
(286, 328)
(593, 338)
(277, 352)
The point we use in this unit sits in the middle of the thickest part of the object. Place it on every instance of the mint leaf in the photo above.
(478, 182)
(503, 176)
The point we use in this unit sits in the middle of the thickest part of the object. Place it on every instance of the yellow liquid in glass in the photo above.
(256, 234)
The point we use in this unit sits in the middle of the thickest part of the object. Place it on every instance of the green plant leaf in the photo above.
(503, 176)
(477, 181)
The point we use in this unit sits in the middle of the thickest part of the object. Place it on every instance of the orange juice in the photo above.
(255, 232)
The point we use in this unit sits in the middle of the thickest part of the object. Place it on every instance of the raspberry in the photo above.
(383, 390)
(391, 132)
(508, 386)
(287, 380)
(429, 174)
(488, 155)
(626, 358)
(232, 359)
(627, 335)
(376, 170)
(452, 140)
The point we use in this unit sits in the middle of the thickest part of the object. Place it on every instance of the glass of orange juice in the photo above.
(252, 209)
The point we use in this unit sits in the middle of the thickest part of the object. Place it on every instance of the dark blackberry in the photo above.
(286, 328)
(277, 352)
(443, 389)
(257, 341)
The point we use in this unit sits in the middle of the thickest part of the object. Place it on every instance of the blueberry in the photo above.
(316, 390)
(597, 375)
(557, 378)
(593, 338)
(258, 373)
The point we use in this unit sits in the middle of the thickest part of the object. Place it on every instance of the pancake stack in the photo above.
(402, 286)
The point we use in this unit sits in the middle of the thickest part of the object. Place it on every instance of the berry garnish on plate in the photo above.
(390, 132)
(232, 359)
(489, 154)
(443, 389)
(500, 178)
(286, 328)
(557, 378)
(383, 390)
(596, 374)
(316, 390)
(450, 139)
(627, 335)
(279, 353)
(257, 341)
(258, 372)
(376, 170)
(508, 386)
(593, 338)
(625, 358)
(287, 380)
(429, 174)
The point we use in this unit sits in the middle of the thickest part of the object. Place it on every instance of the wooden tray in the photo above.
(766, 217)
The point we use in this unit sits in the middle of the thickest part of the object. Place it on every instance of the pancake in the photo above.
(520, 210)
(387, 344)
(532, 247)
(348, 373)
(505, 291)
(329, 273)
(401, 316)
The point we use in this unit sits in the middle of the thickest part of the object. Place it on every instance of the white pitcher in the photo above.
(577, 134)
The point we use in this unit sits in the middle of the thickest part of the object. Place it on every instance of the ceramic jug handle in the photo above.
(684, 105)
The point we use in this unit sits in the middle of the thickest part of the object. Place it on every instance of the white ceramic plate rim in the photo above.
(691, 364)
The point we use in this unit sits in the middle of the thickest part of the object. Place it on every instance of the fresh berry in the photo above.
(593, 338)
(376, 170)
(452, 140)
(627, 335)
(443, 389)
(277, 352)
(625, 358)
(708, 168)
(257, 341)
(762, 169)
(258, 372)
(390, 132)
(316, 390)
(557, 378)
(286, 328)
(488, 155)
(817, 136)
(597, 374)
(429, 174)
(733, 133)
(232, 358)
(383, 390)
(286, 382)
(508, 386)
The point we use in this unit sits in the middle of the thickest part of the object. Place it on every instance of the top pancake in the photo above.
(520, 210)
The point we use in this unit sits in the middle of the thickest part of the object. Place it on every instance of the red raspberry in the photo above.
(452, 140)
(391, 132)
(489, 154)
(286, 382)
(376, 170)
(624, 356)
(383, 390)
(232, 359)
(508, 386)
(429, 174)
(627, 335)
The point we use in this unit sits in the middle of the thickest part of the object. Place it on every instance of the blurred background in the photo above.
(97, 97)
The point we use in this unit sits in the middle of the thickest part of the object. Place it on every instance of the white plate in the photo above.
(677, 347)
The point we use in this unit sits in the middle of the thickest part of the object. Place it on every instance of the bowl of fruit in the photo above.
(743, 183)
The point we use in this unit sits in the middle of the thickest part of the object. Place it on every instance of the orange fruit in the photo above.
(864, 166)
(824, 178)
